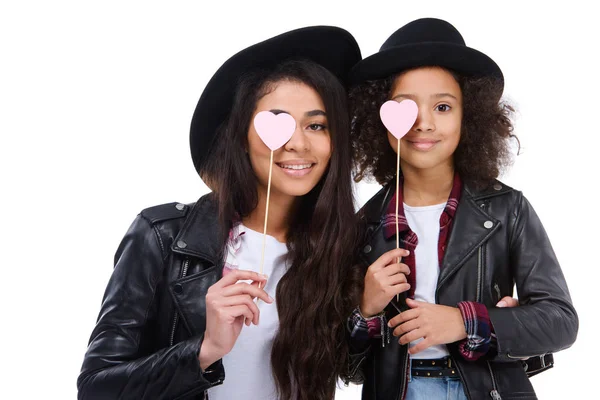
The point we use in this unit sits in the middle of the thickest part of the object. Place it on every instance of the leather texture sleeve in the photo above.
(356, 357)
(120, 363)
(546, 320)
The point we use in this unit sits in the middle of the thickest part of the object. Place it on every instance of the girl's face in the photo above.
(300, 163)
(432, 140)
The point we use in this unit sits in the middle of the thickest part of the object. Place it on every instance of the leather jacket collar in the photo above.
(199, 234)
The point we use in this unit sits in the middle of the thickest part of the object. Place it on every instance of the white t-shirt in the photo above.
(425, 223)
(248, 373)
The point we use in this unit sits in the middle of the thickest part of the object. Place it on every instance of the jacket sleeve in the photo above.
(118, 363)
(546, 320)
(359, 346)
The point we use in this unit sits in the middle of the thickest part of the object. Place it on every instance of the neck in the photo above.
(426, 187)
(281, 208)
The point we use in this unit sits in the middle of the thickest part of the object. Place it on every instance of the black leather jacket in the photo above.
(497, 241)
(146, 341)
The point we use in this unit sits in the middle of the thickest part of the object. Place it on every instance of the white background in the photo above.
(95, 104)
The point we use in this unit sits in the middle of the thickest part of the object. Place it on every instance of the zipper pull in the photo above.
(495, 395)
(497, 288)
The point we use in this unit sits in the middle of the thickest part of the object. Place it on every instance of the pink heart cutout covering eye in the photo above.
(398, 118)
(274, 130)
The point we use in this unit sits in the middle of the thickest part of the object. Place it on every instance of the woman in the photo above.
(467, 239)
(178, 318)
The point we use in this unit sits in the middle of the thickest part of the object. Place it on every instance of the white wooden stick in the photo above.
(262, 257)
(397, 198)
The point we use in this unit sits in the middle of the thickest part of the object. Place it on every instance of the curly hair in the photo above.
(483, 151)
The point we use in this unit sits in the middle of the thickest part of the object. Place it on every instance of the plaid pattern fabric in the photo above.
(477, 325)
(359, 326)
(364, 328)
(477, 321)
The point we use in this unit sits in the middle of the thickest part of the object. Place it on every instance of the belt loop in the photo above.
(449, 362)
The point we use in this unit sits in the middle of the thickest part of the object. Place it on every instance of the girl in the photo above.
(172, 320)
(466, 238)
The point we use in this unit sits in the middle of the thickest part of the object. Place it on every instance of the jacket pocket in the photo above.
(189, 296)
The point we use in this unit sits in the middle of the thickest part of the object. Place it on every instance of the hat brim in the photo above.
(331, 47)
(459, 58)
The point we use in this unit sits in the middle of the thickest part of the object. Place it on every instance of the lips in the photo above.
(423, 145)
(296, 168)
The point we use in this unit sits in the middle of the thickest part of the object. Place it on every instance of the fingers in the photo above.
(507, 301)
(240, 311)
(389, 257)
(422, 345)
(394, 269)
(258, 284)
(242, 299)
(400, 288)
(403, 317)
(245, 288)
(411, 336)
(395, 280)
(405, 327)
(239, 275)
(414, 303)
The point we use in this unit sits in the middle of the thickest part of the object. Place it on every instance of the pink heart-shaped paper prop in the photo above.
(274, 130)
(398, 118)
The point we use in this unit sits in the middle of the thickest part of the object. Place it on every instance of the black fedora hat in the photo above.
(331, 47)
(425, 42)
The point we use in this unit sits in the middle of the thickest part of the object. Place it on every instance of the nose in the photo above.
(299, 142)
(424, 122)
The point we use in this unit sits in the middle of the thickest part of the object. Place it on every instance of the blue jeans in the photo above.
(425, 388)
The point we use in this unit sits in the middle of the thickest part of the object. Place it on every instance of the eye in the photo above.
(442, 107)
(316, 127)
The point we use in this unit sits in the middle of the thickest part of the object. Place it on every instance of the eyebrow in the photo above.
(312, 113)
(412, 96)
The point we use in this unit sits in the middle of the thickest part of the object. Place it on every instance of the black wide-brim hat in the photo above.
(421, 43)
(331, 47)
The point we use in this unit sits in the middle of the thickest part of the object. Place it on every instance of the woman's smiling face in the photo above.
(301, 162)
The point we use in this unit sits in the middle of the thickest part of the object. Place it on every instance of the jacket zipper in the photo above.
(494, 394)
(497, 288)
(479, 273)
(186, 263)
(480, 266)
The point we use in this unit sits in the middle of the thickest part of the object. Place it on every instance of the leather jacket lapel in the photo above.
(471, 227)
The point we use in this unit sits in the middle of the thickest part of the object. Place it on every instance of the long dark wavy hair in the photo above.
(483, 150)
(309, 349)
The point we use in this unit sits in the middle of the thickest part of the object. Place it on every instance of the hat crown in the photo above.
(424, 30)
